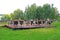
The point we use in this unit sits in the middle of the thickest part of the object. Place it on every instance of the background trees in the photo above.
(50, 11)
(6, 17)
(17, 14)
(39, 13)
(33, 12)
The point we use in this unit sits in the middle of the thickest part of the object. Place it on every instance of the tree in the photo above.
(17, 14)
(50, 11)
(39, 13)
(30, 12)
(33, 12)
(54, 14)
(6, 17)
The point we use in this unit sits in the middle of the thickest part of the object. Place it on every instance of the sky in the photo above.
(8, 6)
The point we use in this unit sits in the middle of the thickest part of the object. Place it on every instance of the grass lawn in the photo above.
(31, 34)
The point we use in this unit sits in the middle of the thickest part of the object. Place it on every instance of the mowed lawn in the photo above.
(31, 34)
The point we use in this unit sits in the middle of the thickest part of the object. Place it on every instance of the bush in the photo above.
(56, 24)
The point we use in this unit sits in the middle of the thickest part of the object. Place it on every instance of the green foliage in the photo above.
(33, 12)
(56, 24)
(39, 13)
(46, 10)
(50, 11)
(17, 14)
(58, 18)
(6, 17)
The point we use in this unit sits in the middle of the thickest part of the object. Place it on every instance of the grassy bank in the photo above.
(31, 34)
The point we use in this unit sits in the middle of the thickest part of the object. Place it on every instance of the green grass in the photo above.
(31, 34)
